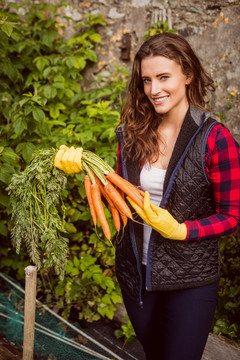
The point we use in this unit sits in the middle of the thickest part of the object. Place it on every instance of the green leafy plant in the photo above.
(228, 306)
(126, 332)
(232, 100)
(35, 195)
(92, 290)
(43, 105)
(158, 27)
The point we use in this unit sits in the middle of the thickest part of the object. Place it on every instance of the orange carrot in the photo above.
(87, 183)
(117, 199)
(116, 217)
(97, 202)
(141, 192)
(115, 213)
(132, 191)
(123, 217)
(103, 192)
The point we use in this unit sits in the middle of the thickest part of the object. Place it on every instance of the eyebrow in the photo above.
(158, 75)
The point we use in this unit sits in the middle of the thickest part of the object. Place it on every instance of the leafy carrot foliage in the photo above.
(35, 198)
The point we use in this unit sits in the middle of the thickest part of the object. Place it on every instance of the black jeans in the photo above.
(174, 325)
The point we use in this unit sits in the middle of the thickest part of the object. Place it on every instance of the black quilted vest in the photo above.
(187, 195)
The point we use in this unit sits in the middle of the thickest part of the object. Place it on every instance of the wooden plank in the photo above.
(5, 354)
(220, 348)
(29, 312)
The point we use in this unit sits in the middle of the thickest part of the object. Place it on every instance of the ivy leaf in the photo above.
(6, 174)
(19, 126)
(95, 37)
(58, 85)
(54, 112)
(69, 266)
(91, 55)
(27, 151)
(70, 228)
(23, 101)
(38, 114)
(4, 198)
(69, 93)
(79, 63)
(7, 27)
(74, 272)
(106, 299)
(59, 78)
(41, 63)
(10, 70)
(59, 289)
(3, 228)
(76, 261)
(116, 298)
(49, 92)
(70, 61)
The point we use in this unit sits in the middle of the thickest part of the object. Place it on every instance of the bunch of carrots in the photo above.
(101, 181)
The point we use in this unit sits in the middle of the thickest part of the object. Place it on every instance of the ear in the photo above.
(188, 79)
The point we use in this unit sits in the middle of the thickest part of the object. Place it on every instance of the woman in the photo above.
(188, 165)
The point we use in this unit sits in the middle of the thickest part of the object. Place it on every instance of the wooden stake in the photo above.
(29, 311)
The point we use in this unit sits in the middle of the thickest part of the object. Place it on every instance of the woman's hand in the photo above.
(69, 159)
(160, 219)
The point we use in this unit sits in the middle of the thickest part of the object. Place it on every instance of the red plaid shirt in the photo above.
(223, 168)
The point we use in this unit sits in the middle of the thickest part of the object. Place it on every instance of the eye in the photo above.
(164, 77)
(146, 81)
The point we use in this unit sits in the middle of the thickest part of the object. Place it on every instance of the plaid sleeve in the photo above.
(223, 168)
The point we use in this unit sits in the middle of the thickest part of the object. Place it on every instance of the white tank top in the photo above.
(151, 180)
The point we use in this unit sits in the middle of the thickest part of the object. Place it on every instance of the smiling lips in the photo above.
(159, 100)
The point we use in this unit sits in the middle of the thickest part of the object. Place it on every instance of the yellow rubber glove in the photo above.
(160, 219)
(69, 159)
(59, 155)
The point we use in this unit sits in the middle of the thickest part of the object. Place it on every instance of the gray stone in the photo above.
(220, 57)
(140, 3)
(120, 313)
(113, 14)
(160, 3)
(220, 348)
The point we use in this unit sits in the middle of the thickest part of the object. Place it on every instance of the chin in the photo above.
(160, 111)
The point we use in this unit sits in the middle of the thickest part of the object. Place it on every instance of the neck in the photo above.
(174, 118)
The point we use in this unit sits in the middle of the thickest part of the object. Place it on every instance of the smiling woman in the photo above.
(165, 87)
(167, 262)
(138, 112)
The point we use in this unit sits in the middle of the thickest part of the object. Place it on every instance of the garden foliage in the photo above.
(43, 104)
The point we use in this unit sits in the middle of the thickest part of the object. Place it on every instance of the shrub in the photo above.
(227, 315)
(42, 105)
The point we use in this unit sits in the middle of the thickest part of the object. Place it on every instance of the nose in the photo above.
(155, 88)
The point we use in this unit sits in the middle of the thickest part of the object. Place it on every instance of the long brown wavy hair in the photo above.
(141, 139)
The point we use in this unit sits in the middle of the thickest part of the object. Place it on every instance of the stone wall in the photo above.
(211, 26)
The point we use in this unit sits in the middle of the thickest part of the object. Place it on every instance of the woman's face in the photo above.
(165, 85)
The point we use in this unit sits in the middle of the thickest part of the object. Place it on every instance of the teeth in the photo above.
(161, 99)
